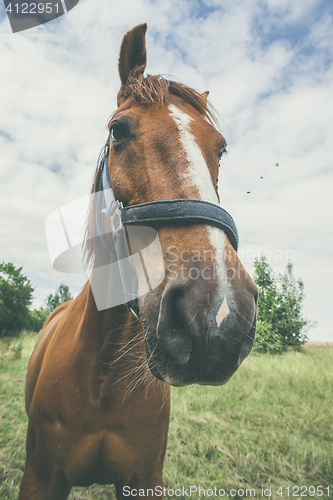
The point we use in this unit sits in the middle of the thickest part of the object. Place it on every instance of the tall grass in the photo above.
(15, 354)
(270, 426)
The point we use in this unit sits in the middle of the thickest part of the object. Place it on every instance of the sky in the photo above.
(268, 65)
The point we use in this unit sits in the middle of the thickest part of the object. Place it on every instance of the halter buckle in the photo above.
(115, 216)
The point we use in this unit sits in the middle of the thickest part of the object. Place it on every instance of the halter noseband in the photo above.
(165, 212)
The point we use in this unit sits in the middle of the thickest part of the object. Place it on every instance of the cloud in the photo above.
(268, 66)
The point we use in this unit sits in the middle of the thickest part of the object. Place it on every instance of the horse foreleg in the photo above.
(33, 487)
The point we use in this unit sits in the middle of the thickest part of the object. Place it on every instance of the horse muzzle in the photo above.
(199, 336)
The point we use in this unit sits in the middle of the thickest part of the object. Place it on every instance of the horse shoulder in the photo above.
(55, 312)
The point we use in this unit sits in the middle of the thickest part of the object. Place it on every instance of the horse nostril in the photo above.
(172, 330)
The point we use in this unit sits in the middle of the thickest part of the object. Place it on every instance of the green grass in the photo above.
(14, 357)
(271, 425)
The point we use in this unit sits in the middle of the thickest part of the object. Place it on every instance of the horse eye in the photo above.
(223, 150)
(118, 132)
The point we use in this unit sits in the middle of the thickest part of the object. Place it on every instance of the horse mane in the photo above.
(149, 90)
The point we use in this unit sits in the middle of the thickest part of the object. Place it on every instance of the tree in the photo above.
(36, 319)
(61, 296)
(15, 298)
(15, 301)
(280, 319)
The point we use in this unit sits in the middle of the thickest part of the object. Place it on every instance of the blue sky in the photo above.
(268, 67)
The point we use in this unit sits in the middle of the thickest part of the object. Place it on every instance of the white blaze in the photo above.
(198, 175)
(198, 171)
(222, 312)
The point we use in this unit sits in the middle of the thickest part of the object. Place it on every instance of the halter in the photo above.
(165, 212)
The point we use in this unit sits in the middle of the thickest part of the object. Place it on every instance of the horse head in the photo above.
(199, 323)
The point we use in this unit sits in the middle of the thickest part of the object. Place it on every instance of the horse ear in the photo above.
(132, 57)
(204, 96)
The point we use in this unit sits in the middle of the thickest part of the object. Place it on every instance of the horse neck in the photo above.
(110, 345)
(112, 337)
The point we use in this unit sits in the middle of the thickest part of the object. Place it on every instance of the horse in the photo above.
(98, 381)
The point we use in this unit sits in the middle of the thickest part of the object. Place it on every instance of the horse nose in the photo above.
(197, 327)
(178, 326)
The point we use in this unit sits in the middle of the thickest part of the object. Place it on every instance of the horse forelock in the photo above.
(155, 89)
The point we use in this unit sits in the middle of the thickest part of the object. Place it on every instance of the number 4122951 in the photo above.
(33, 8)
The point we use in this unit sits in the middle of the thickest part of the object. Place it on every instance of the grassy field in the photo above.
(270, 426)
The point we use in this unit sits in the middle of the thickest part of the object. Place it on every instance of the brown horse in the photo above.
(97, 391)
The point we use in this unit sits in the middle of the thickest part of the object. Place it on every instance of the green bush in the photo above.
(267, 340)
(15, 301)
(281, 323)
(15, 298)
(37, 318)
